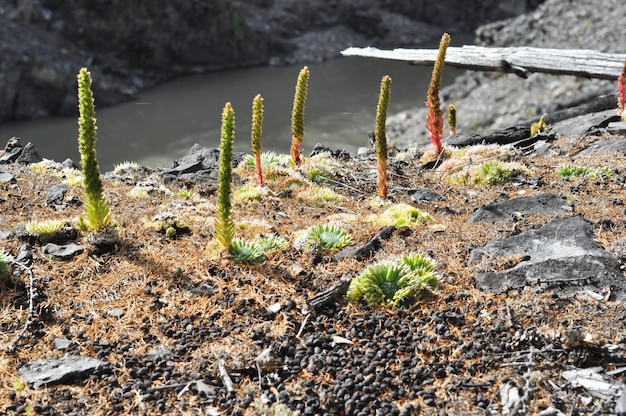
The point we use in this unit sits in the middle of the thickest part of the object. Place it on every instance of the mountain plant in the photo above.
(381, 135)
(97, 214)
(246, 252)
(5, 261)
(452, 119)
(394, 282)
(224, 226)
(255, 136)
(434, 119)
(297, 115)
(326, 237)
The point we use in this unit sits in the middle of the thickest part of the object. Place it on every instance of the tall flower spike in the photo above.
(452, 119)
(434, 119)
(297, 115)
(257, 126)
(224, 227)
(97, 215)
(621, 92)
(381, 135)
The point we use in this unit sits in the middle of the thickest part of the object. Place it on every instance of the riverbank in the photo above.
(531, 284)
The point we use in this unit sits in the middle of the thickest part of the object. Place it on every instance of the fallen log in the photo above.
(518, 60)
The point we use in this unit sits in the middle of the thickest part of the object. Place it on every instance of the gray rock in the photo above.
(424, 194)
(115, 313)
(65, 370)
(55, 196)
(586, 123)
(563, 253)
(6, 177)
(160, 354)
(618, 127)
(608, 146)
(29, 155)
(63, 343)
(65, 251)
(507, 210)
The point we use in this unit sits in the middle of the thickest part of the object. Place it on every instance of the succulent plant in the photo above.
(394, 282)
(97, 214)
(434, 119)
(224, 226)
(573, 170)
(297, 115)
(381, 135)
(327, 238)
(44, 231)
(246, 252)
(271, 242)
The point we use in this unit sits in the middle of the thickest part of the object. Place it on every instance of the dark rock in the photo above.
(585, 123)
(12, 151)
(70, 164)
(65, 251)
(29, 155)
(504, 211)
(200, 163)
(55, 196)
(24, 254)
(504, 136)
(563, 253)
(6, 177)
(608, 146)
(65, 370)
(424, 194)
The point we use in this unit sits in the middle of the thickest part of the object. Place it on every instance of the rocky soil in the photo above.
(528, 317)
(132, 46)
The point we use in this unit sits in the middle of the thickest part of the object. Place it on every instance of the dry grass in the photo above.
(149, 277)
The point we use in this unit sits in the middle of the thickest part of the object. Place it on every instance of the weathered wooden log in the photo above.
(329, 295)
(518, 60)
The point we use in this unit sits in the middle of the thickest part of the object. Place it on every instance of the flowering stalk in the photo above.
(621, 92)
(257, 125)
(452, 119)
(434, 119)
(97, 214)
(297, 115)
(381, 135)
(224, 227)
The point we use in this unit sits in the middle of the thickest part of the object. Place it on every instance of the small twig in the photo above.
(226, 380)
(509, 315)
(306, 318)
(31, 307)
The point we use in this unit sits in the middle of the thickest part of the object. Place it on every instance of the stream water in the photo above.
(164, 122)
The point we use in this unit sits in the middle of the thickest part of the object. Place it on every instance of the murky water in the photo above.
(163, 123)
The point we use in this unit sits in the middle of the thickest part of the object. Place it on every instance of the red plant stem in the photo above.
(434, 119)
(259, 169)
